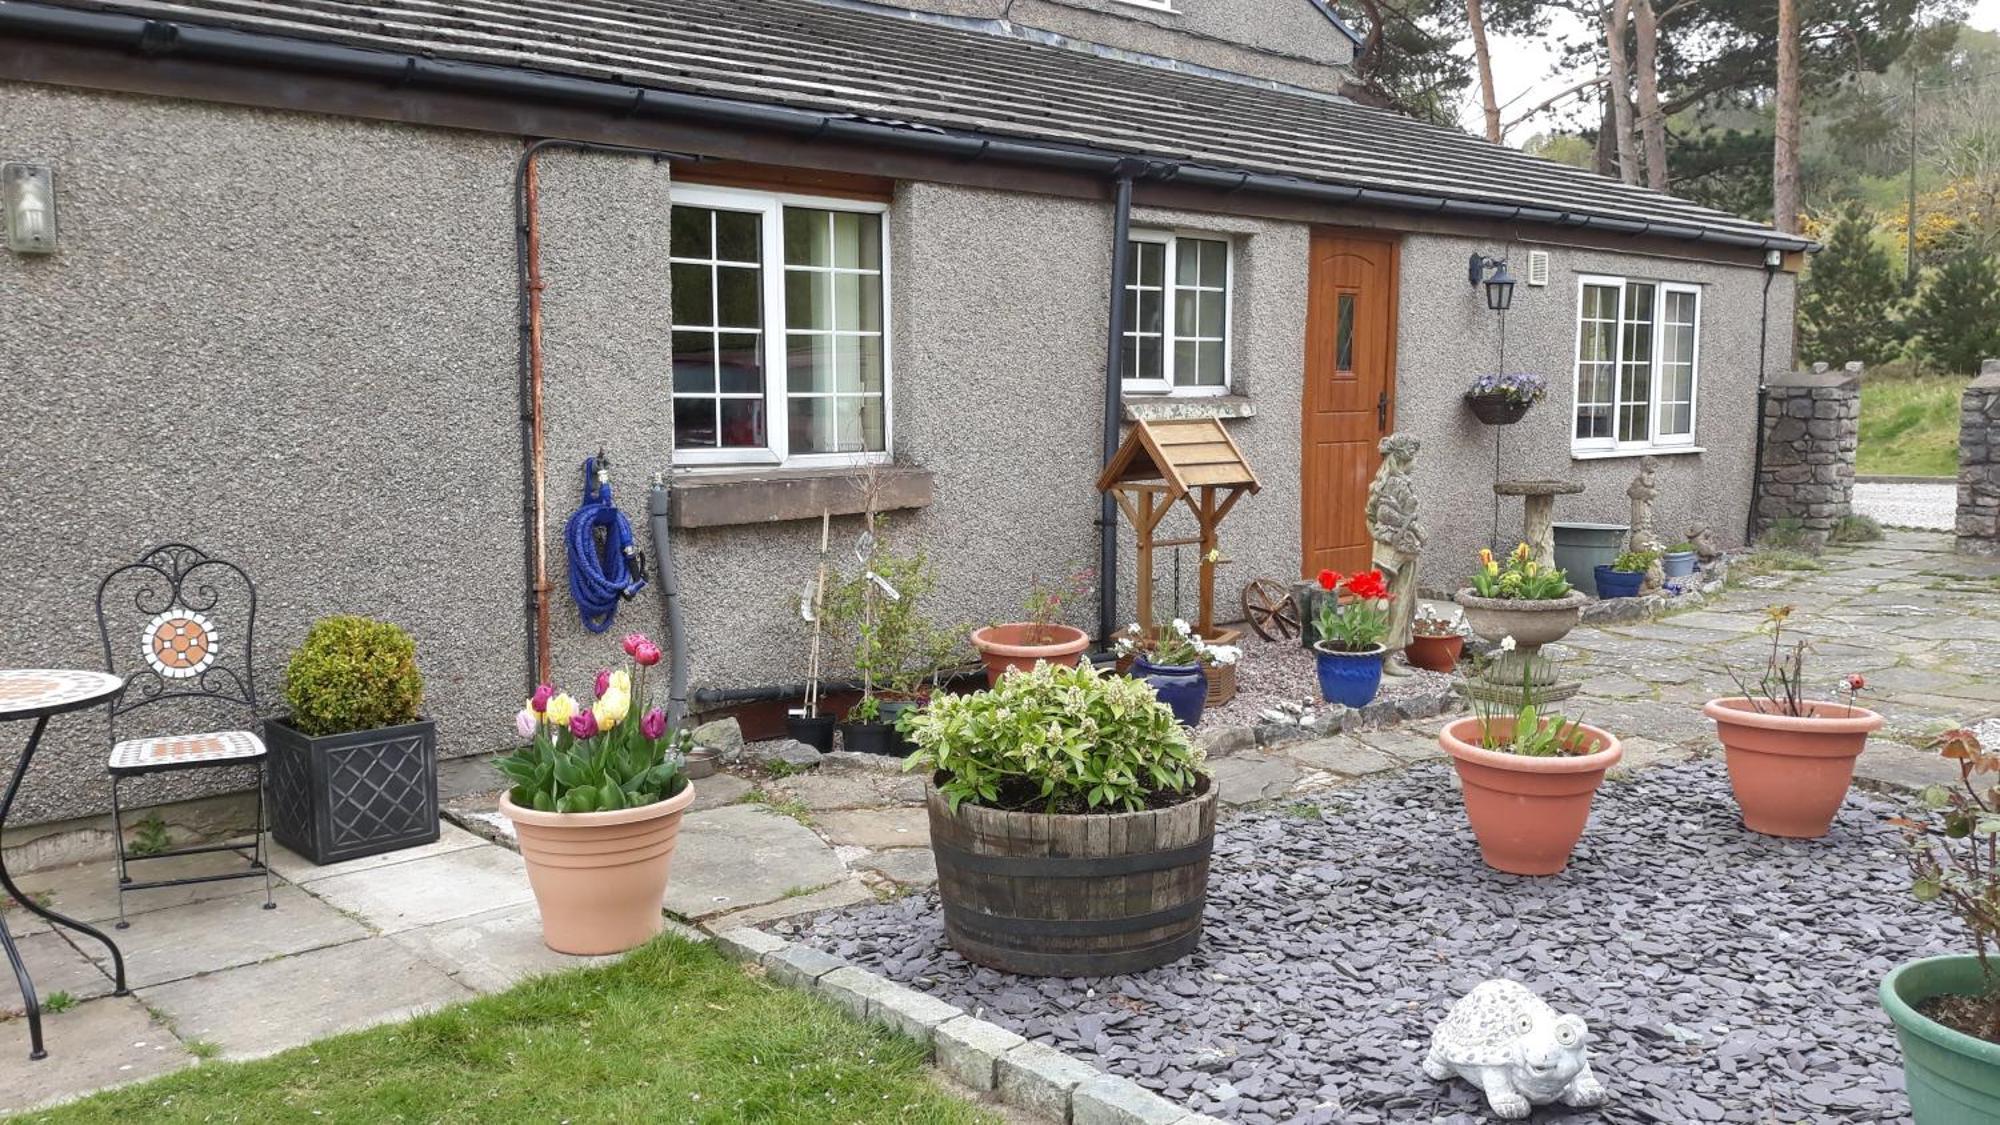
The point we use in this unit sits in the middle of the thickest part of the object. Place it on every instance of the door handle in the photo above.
(1382, 412)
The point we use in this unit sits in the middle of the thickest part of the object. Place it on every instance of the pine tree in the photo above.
(1849, 303)
(1957, 318)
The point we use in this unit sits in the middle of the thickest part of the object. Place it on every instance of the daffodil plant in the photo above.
(1520, 578)
(614, 754)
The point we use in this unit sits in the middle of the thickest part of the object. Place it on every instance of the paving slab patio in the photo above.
(437, 888)
(745, 855)
(100, 1043)
(265, 1008)
(298, 869)
(58, 969)
(204, 937)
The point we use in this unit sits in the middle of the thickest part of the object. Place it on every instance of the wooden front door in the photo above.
(1350, 392)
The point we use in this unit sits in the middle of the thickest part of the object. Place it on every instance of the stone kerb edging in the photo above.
(985, 1057)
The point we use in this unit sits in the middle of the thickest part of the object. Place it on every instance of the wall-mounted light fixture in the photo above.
(28, 191)
(1499, 283)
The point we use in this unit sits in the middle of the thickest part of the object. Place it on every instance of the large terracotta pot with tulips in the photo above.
(1791, 759)
(1351, 620)
(596, 802)
(1947, 1009)
(1529, 778)
(1042, 637)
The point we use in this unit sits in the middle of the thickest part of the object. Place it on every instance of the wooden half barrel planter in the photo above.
(1073, 895)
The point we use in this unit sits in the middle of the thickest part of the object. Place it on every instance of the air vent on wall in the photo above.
(1538, 267)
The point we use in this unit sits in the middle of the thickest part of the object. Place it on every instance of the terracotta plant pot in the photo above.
(1790, 772)
(599, 878)
(1531, 623)
(1434, 654)
(1527, 813)
(1019, 645)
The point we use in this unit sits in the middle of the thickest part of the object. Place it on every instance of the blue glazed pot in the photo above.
(1619, 583)
(1678, 564)
(1349, 678)
(1182, 687)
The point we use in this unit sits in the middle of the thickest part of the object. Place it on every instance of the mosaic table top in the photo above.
(27, 692)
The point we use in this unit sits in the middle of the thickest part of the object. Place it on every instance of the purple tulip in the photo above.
(654, 724)
(539, 702)
(525, 722)
(603, 682)
(583, 724)
(633, 641)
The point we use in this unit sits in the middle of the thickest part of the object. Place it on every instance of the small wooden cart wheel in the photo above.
(1269, 608)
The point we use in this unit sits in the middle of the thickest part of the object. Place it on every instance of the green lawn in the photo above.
(1909, 425)
(674, 1033)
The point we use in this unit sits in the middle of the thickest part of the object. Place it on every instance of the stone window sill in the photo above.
(1614, 454)
(1158, 408)
(759, 496)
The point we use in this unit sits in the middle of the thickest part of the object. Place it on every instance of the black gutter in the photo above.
(1763, 399)
(1114, 400)
(156, 38)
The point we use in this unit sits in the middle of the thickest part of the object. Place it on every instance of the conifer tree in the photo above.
(1849, 304)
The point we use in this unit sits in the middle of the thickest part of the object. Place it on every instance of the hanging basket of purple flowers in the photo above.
(1502, 400)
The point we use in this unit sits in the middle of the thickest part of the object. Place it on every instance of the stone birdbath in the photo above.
(1538, 514)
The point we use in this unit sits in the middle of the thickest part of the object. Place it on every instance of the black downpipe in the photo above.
(1763, 397)
(1114, 374)
(657, 509)
(160, 38)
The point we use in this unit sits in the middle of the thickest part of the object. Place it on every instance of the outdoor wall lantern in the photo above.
(1499, 284)
(29, 194)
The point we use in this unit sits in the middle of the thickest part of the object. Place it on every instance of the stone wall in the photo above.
(1979, 464)
(1812, 421)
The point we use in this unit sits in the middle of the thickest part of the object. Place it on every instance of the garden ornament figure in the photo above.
(1508, 1042)
(1399, 538)
(1642, 538)
(1705, 547)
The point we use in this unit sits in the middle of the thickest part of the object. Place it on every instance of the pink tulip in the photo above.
(632, 643)
(648, 654)
(539, 702)
(654, 724)
(583, 724)
(525, 722)
(603, 682)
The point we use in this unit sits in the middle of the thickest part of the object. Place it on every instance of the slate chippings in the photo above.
(1726, 977)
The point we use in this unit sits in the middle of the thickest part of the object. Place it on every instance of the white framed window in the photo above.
(1177, 313)
(1638, 363)
(781, 329)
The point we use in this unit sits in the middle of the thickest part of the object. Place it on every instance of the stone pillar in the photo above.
(1812, 422)
(1979, 463)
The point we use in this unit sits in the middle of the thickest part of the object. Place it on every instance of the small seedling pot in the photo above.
(815, 731)
(1434, 654)
(1678, 564)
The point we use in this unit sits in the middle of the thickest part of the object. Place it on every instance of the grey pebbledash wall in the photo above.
(1978, 525)
(1812, 424)
(290, 338)
(1447, 336)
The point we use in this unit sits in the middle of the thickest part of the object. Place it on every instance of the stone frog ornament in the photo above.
(1508, 1042)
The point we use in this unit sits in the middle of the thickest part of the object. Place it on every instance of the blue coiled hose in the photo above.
(600, 565)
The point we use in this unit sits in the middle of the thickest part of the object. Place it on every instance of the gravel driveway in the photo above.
(1727, 976)
(1900, 504)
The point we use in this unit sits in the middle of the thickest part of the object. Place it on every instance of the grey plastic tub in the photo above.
(1583, 547)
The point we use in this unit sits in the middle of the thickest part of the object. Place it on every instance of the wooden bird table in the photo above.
(1193, 461)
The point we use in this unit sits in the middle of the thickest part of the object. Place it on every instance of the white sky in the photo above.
(1524, 71)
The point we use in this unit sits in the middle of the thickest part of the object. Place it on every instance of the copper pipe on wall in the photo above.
(536, 449)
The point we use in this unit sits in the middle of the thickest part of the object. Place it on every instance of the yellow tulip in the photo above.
(621, 680)
(561, 709)
(611, 709)
(1523, 553)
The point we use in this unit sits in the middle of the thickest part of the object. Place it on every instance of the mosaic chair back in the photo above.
(180, 625)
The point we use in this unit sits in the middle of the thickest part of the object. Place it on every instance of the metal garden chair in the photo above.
(183, 634)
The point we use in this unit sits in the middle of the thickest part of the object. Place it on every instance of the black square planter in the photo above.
(344, 796)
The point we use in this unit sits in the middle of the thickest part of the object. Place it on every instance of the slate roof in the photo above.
(879, 64)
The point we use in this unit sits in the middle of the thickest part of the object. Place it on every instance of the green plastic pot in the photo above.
(1952, 1078)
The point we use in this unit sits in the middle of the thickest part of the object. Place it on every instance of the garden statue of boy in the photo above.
(1642, 537)
(1399, 538)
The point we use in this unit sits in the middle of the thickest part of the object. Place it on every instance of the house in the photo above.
(302, 309)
